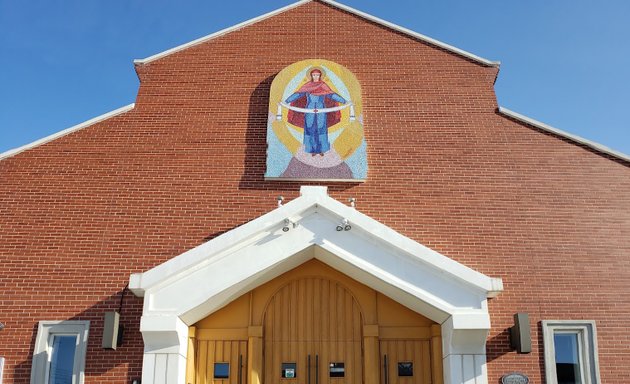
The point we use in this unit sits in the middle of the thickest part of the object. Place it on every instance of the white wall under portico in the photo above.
(193, 285)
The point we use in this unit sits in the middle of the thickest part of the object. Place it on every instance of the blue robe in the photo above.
(315, 124)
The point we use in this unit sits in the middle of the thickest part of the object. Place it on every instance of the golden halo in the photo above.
(313, 68)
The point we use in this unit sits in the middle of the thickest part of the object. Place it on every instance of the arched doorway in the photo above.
(314, 325)
(313, 334)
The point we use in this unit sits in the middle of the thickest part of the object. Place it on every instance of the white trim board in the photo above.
(335, 4)
(15, 151)
(566, 135)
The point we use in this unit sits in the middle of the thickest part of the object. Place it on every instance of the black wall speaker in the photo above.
(520, 335)
(111, 329)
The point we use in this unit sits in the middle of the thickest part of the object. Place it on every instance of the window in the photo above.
(405, 368)
(570, 352)
(59, 355)
(337, 370)
(221, 370)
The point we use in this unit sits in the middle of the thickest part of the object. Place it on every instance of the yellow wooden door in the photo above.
(405, 361)
(221, 362)
(312, 332)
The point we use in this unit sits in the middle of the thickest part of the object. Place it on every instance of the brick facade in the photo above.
(79, 214)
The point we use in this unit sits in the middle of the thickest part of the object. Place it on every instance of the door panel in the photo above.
(347, 352)
(229, 357)
(313, 317)
(415, 357)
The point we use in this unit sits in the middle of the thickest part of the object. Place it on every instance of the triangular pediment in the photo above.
(208, 277)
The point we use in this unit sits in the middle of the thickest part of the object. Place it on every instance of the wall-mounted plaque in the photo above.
(514, 378)
(315, 126)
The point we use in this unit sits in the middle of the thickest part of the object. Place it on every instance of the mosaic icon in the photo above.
(315, 126)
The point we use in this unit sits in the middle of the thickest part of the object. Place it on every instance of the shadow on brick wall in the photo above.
(498, 345)
(120, 365)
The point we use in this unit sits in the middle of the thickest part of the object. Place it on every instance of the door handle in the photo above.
(308, 369)
(316, 369)
(240, 369)
(386, 369)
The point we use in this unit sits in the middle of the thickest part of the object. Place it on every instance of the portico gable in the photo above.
(197, 283)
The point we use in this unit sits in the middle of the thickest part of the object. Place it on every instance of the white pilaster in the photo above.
(464, 349)
(165, 347)
(465, 369)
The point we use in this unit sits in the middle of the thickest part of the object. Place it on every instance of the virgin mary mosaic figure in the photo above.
(315, 126)
(315, 96)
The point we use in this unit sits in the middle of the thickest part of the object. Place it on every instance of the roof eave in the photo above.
(312, 197)
(577, 139)
(54, 136)
(427, 39)
(218, 33)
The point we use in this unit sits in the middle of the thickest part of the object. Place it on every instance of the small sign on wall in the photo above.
(514, 378)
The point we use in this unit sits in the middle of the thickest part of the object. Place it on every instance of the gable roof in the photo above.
(305, 228)
(335, 4)
(503, 111)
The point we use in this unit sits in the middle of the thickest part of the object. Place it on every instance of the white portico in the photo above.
(197, 283)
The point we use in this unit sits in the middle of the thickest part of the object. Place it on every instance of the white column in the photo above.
(464, 349)
(1, 368)
(165, 347)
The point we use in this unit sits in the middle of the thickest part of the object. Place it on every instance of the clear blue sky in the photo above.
(564, 62)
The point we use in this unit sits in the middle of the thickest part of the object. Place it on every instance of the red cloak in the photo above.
(319, 88)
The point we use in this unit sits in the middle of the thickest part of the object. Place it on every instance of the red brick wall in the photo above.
(81, 213)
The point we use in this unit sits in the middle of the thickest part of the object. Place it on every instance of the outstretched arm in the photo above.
(337, 98)
(294, 97)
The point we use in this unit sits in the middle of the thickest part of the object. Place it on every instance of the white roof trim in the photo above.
(559, 132)
(219, 33)
(417, 35)
(15, 151)
(311, 198)
(260, 250)
(364, 15)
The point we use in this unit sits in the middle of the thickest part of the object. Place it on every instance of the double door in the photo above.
(313, 335)
(306, 327)
(313, 362)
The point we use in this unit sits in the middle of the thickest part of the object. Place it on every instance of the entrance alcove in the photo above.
(318, 322)
(188, 296)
